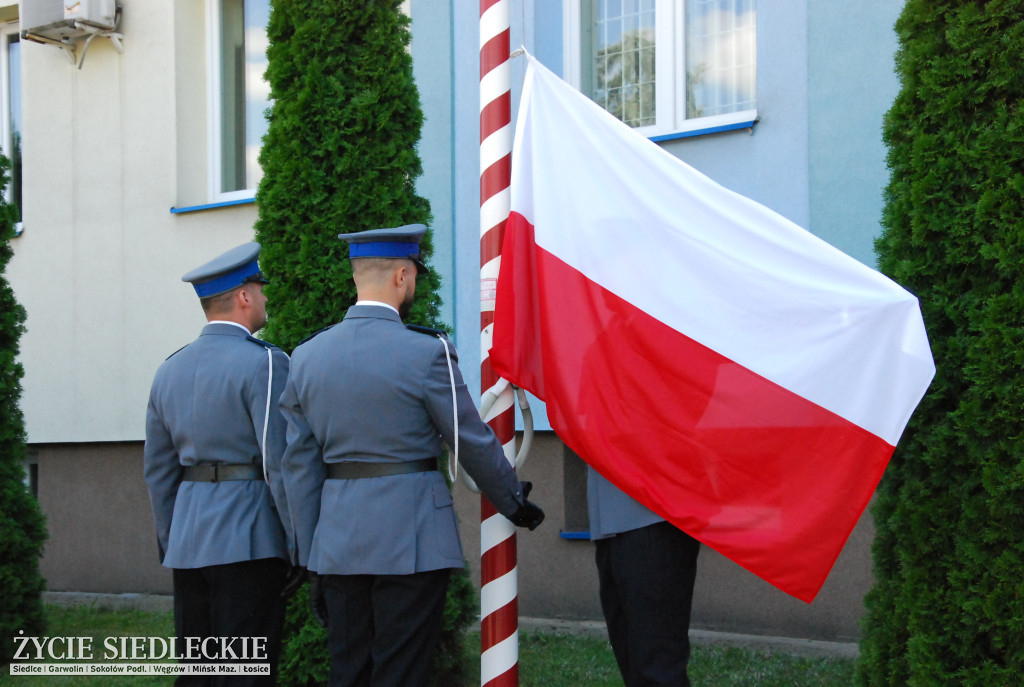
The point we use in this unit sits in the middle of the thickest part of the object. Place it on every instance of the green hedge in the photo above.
(22, 530)
(339, 157)
(948, 604)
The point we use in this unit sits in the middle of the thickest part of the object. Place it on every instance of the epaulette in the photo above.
(176, 352)
(261, 342)
(319, 331)
(429, 331)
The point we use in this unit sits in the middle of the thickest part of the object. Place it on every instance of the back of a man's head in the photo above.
(373, 273)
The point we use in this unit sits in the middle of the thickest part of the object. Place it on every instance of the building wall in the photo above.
(98, 518)
(109, 149)
(851, 84)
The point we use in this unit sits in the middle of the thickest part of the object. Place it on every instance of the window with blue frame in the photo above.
(665, 66)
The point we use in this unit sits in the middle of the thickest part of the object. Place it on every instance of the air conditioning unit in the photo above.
(99, 13)
(64, 22)
(60, 19)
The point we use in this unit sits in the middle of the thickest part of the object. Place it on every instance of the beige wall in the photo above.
(108, 150)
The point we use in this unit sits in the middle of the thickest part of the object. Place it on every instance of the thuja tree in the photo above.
(22, 531)
(948, 604)
(340, 156)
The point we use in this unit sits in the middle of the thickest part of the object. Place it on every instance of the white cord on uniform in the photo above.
(453, 464)
(266, 412)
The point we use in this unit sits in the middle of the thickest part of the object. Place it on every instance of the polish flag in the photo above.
(729, 370)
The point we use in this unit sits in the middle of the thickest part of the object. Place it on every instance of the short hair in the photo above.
(373, 269)
(220, 303)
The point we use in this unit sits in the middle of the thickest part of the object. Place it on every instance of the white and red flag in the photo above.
(726, 368)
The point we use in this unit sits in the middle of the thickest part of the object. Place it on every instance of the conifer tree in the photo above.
(22, 530)
(340, 156)
(948, 604)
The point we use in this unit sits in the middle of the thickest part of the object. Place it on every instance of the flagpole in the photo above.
(499, 610)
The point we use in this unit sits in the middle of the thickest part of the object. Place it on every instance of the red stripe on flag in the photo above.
(495, 115)
(494, 179)
(494, 52)
(765, 477)
(499, 625)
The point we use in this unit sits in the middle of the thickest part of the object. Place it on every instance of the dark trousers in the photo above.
(382, 629)
(234, 600)
(647, 578)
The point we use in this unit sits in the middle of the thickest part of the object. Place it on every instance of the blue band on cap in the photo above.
(226, 281)
(384, 249)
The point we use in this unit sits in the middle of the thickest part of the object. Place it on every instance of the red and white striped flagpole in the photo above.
(499, 611)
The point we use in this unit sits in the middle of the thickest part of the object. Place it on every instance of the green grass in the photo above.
(564, 661)
(548, 660)
(82, 621)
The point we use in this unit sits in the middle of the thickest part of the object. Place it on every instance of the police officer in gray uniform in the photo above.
(647, 569)
(368, 403)
(214, 441)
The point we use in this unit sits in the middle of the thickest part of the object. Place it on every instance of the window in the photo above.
(665, 66)
(10, 110)
(238, 95)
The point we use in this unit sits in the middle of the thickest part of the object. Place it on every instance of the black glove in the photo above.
(316, 599)
(528, 514)
(296, 576)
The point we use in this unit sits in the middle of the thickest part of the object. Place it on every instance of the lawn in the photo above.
(548, 660)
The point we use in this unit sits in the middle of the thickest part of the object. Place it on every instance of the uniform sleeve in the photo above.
(162, 471)
(303, 470)
(274, 446)
(480, 452)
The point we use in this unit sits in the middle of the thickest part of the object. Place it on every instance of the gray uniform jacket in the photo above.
(368, 389)
(207, 405)
(611, 510)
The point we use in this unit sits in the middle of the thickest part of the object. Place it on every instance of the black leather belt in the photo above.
(222, 472)
(361, 470)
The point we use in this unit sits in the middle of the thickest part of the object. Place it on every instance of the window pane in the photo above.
(618, 58)
(14, 81)
(243, 60)
(721, 56)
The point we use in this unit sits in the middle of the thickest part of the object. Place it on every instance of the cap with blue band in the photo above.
(396, 242)
(227, 271)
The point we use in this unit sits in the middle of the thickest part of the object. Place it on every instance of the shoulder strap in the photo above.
(318, 331)
(176, 352)
(429, 331)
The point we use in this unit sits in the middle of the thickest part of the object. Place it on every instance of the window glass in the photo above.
(12, 147)
(618, 58)
(662, 65)
(243, 93)
(721, 51)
